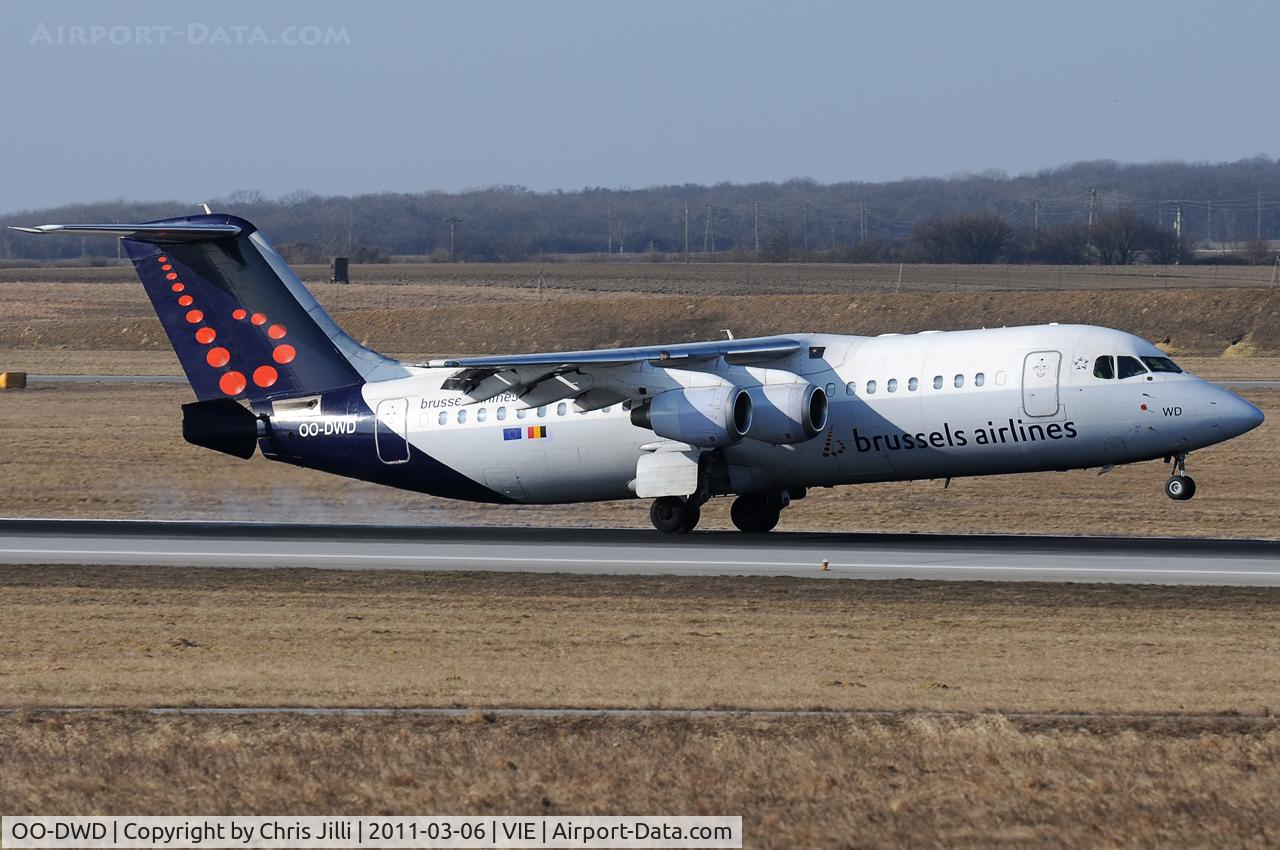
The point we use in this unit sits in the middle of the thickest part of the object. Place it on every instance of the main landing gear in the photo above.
(753, 513)
(757, 513)
(672, 514)
(1180, 486)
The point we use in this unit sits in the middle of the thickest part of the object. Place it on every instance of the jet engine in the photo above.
(223, 425)
(787, 413)
(704, 416)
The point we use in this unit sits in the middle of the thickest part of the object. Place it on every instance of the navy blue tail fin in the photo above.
(240, 321)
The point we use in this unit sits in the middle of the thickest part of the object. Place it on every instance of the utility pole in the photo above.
(757, 230)
(1177, 224)
(1036, 214)
(1258, 233)
(453, 223)
(708, 241)
(1208, 222)
(1093, 206)
(610, 214)
(686, 233)
(862, 227)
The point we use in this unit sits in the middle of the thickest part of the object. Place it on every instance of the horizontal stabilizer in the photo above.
(154, 233)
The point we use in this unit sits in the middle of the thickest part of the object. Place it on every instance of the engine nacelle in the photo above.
(705, 416)
(787, 413)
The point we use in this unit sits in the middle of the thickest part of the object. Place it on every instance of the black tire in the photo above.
(755, 514)
(1180, 488)
(669, 514)
(691, 516)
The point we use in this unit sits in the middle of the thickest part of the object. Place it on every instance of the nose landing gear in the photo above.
(1180, 486)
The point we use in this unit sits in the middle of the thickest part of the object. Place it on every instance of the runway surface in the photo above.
(633, 552)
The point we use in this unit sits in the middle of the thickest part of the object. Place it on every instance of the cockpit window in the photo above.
(1104, 367)
(1129, 367)
(1161, 364)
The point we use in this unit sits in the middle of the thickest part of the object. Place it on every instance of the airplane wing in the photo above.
(542, 378)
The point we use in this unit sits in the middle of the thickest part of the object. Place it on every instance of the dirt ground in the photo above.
(917, 782)
(115, 636)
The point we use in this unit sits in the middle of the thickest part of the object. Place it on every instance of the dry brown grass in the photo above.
(838, 783)
(445, 318)
(101, 450)
(153, 636)
(731, 278)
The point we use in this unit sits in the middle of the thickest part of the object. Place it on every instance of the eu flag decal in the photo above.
(537, 432)
(511, 433)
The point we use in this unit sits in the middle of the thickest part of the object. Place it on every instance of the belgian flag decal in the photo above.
(537, 432)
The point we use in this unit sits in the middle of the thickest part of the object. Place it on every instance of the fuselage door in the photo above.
(1040, 383)
(389, 434)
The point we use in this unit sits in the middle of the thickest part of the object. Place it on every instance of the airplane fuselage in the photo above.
(901, 407)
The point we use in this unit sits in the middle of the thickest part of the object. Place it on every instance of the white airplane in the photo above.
(764, 419)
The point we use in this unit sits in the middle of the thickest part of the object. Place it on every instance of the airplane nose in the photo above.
(1236, 415)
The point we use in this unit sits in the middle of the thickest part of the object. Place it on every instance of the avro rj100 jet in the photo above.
(762, 419)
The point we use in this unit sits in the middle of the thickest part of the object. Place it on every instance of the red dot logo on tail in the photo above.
(283, 354)
(265, 376)
(204, 336)
(239, 313)
(232, 383)
(218, 357)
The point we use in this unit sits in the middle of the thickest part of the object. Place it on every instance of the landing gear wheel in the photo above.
(671, 514)
(691, 516)
(755, 514)
(1180, 488)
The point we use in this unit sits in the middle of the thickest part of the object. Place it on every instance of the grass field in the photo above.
(140, 637)
(1175, 744)
(77, 636)
(916, 782)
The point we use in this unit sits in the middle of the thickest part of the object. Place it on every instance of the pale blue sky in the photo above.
(571, 94)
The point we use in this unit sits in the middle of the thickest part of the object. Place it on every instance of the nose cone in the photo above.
(1236, 416)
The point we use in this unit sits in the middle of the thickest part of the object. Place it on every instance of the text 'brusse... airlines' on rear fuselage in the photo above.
(763, 419)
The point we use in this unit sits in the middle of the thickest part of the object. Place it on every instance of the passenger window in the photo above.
(979, 379)
(542, 411)
(521, 412)
(482, 414)
(892, 386)
(443, 417)
(562, 409)
(1104, 367)
(502, 413)
(1000, 378)
(606, 409)
(831, 390)
(912, 385)
(959, 381)
(462, 416)
(871, 387)
(1162, 364)
(850, 388)
(937, 382)
(1129, 367)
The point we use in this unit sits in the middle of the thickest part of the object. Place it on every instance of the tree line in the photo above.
(1093, 212)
